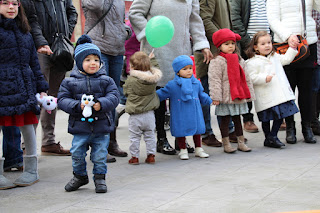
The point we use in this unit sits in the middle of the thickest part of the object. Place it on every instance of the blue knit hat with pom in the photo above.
(84, 48)
(180, 62)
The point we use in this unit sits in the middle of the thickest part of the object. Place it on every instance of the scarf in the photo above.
(237, 79)
(186, 87)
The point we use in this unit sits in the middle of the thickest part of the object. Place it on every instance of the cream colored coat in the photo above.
(218, 79)
(276, 91)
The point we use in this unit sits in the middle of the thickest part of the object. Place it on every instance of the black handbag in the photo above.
(62, 47)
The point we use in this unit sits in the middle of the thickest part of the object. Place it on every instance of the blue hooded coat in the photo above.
(186, 116)
(104, 90)
(20, 74)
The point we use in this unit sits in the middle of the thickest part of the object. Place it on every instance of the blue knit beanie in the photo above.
(180, 62)
(84, 48)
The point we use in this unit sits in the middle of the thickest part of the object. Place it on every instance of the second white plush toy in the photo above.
(88, 102)
(49, 103)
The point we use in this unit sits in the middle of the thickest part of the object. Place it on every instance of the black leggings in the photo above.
(275, 127)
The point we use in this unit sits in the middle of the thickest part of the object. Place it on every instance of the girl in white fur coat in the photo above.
(274, 96)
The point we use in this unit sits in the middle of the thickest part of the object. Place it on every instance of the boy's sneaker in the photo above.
(76, 182)
(100, 183)
(134, 161)
(150, 159)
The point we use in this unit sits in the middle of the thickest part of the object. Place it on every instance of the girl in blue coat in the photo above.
(186, 96)
(20, 80)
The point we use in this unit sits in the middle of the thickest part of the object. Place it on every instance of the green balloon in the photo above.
(159, 31)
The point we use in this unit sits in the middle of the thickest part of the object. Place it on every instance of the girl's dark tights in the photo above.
(182, 141)
(224, 125)
(275, 127)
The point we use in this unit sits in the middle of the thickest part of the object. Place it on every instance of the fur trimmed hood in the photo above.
(152, 76)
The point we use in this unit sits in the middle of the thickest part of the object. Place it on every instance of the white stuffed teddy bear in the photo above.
(49, 103)
(87, 101)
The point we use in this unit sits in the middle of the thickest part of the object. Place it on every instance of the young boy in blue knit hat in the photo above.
(186, 96)
(88, 78)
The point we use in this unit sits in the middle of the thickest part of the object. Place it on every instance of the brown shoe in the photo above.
(134, 161)
(249, 126)
(233, 138)
(283, 126)
(150, 159)
(211, 140)
(115, 150)
(55, 149)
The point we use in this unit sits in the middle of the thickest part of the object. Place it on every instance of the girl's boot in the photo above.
(183, 154)
(200, 153)
(30, 171)
(227, 146)
(241, 145)
(4, 182)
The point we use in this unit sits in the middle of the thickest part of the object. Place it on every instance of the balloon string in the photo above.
(151, 55)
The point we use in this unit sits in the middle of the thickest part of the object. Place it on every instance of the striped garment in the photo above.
(258, 18)
(316, 17)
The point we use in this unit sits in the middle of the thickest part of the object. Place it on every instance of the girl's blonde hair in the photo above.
(140, 61)
(254, 41)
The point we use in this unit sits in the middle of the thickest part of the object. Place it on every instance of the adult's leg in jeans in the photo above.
(54, 77)
(114, 66)
(12, 151)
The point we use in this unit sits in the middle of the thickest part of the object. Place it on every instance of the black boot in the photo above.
(307, 132)
(164, 147)
(76, 182)
(273, 142)
(291, 132)
(315, 124)
(114, 148)
(189, 148)
(100, 183)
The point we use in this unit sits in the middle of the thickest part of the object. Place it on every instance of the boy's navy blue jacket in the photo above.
(104, 91)
(20, 74)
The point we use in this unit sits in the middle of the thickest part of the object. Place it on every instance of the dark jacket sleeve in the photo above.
(42, 85)
(36, 30)
(237, 17)
(72, 16)
(111, 100)
(66, 102)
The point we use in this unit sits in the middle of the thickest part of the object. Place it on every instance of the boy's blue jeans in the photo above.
(99, 150)
(12, 151)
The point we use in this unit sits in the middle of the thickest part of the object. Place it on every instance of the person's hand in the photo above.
(43, 94)
(293, 41)
(207, 54)
(97, 106)
(215, 102)
(269, 78)
(82, 106)
(45, 49)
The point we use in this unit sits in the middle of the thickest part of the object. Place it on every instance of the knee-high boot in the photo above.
(307, 132)
(114, 148)
(4, 182)
(291, 132)
(30, 171)
(315, 124)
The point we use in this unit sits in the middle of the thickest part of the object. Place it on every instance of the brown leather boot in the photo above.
(114, 148)
(227, 146)
(211, 140)
(249, 126)
(55, 149)
(150, 159)
(241, 146)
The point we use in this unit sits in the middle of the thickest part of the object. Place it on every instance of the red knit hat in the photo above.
(224, 35)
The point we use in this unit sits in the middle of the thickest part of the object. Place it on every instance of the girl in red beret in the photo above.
(230, 86)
